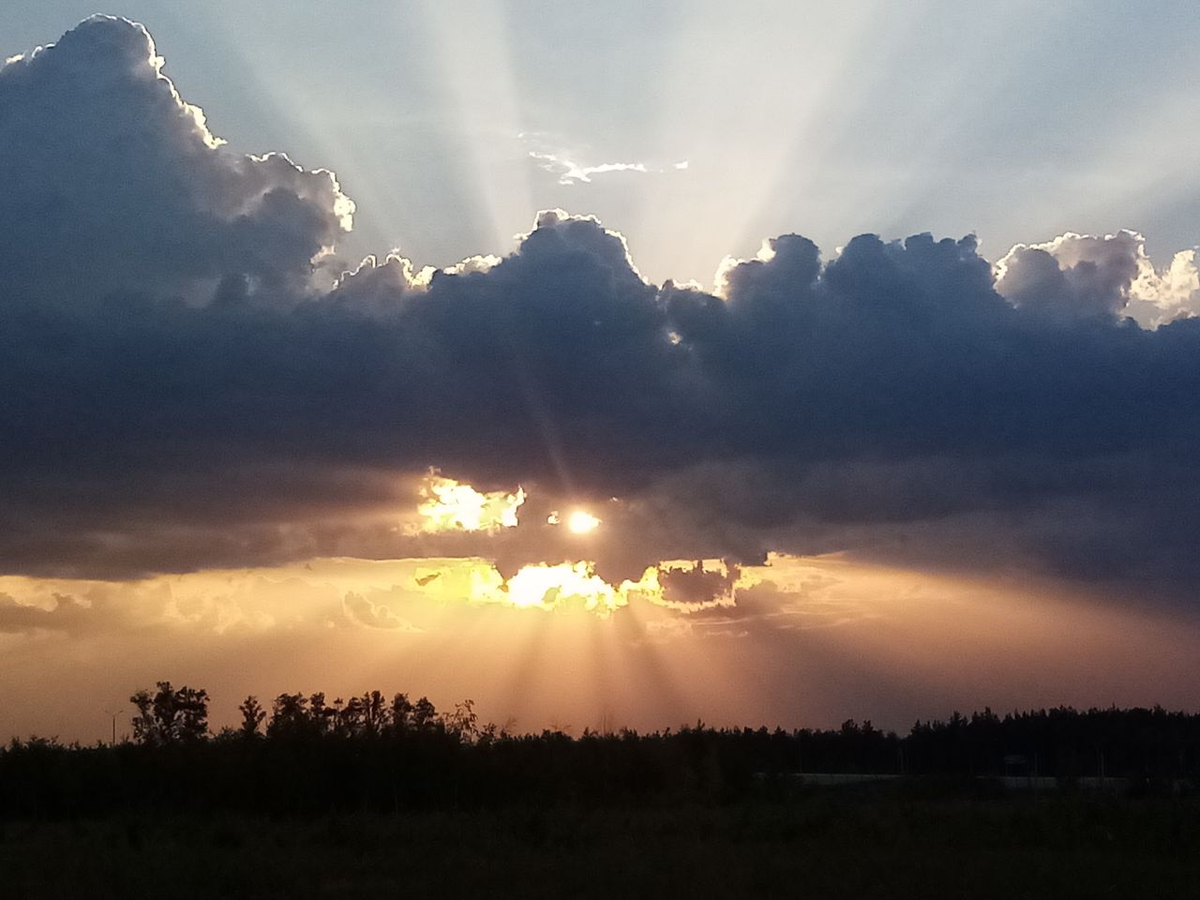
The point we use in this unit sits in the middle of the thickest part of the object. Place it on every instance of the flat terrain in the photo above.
(874, 841)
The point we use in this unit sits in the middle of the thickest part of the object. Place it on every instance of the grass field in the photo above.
(876, 841)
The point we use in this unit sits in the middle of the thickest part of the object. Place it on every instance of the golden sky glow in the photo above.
(809, 641)
(556, 586)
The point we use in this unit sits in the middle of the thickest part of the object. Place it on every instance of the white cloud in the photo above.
(570, 172)
(1081, 275)
(1158, 296)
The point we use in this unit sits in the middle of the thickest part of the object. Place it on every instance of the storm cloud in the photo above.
(184, 386)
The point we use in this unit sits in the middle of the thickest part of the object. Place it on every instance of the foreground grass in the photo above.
(879, 841)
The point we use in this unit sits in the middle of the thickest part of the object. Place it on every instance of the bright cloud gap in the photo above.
(449, 505)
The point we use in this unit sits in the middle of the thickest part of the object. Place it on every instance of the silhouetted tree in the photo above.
(252, 716)
(424, 715)
(170, 715)
(289, 716)
(374, 707)
(400, 713)
(320, 714)
(463, 722)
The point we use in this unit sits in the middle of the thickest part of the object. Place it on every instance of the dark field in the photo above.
(882, 840)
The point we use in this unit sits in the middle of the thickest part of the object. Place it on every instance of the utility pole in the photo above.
(113, 714)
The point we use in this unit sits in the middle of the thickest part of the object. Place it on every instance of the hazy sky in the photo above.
(931, 445)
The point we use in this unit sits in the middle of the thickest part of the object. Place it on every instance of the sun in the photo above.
(580, 522)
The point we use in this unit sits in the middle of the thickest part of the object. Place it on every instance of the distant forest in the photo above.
(374, 753)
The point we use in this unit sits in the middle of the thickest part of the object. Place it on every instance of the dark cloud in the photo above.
(176, 394)
(697, 586)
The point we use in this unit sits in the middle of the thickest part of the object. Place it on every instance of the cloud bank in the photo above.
(183, 389)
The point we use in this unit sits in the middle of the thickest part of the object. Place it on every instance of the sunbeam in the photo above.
(758, 120)
(480, 94)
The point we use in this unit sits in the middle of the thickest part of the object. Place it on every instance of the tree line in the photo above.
(173, 715)
(307, 754)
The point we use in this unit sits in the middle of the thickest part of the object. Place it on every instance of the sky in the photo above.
(634, 364)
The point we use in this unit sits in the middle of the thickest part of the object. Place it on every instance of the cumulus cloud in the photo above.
(113, 182)
(67, 615)
(904, 400)
(361, 610)
(1080, 276)
(1162, 296)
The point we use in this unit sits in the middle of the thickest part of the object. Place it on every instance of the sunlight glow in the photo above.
(564, 585)
(452, 506)
(582, 522)
(578, 522)
(547, 586)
